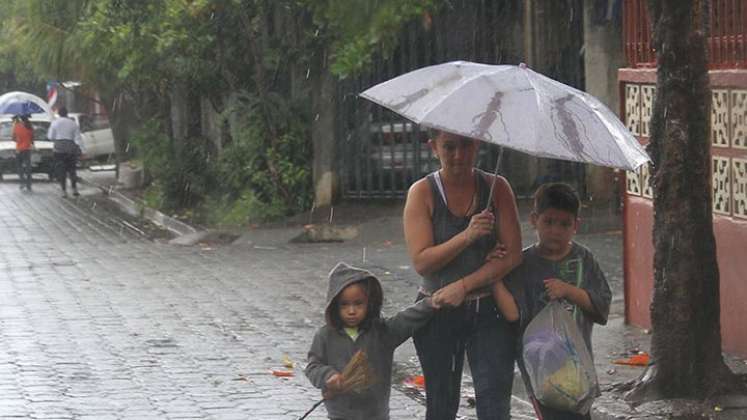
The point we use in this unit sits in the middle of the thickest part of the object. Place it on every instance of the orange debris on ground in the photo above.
(282, 373)
(417, 381)
(641, 359)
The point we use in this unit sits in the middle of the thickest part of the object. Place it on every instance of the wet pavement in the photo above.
(100, 321)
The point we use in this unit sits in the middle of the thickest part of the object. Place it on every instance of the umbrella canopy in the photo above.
(20, 108)
(19, 103)
(515, 107)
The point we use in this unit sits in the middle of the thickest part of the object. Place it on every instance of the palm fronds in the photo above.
(357, 376)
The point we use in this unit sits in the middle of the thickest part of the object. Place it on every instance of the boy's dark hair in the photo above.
(62, 111)
(375, 298)
(556, 195)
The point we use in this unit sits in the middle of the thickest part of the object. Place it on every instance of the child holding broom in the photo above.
(351, 357)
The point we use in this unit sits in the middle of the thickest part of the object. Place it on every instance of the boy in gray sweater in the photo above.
(354, 322)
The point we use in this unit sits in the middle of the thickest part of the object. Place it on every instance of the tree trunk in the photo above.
(685, 312)
(179, 106)
(121, 115)
(211, 125)
(323, 98)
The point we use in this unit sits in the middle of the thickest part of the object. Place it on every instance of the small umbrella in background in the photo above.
(20, 103)
(20, 108)
(515, 107)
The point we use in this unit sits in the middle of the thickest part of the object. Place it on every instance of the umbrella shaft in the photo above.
(495, 177)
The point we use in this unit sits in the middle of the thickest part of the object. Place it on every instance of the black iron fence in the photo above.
(382, 154)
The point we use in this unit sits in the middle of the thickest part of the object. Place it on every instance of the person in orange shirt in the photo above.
(23, 135)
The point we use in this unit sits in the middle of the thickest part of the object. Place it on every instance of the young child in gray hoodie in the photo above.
(354, 322)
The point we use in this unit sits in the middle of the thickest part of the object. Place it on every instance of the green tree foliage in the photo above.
(355, 30)
(245, 60)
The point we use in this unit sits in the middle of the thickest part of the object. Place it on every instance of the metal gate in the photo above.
(382, 154)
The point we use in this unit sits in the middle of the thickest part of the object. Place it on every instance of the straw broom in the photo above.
(357, 376)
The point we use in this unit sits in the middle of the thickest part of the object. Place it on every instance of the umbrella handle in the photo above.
(495, 177)
(317, 404)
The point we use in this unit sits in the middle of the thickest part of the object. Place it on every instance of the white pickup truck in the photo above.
(96, 136)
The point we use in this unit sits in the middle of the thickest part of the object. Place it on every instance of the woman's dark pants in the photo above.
(489, 341)
(23, 159)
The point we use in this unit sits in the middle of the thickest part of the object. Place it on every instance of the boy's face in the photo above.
(555, 230)
(353, 305)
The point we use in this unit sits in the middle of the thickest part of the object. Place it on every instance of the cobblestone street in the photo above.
(97, 322)
(100, 322)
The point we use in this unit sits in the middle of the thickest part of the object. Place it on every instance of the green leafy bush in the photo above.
(182, 173)
(269, 155)
(263, 172)
(246, 209)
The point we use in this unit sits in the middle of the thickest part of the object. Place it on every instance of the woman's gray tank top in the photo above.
(446, 225)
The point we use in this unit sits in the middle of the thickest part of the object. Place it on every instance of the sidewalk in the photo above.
(380, 245)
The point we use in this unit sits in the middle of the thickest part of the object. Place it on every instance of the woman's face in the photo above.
(456, 153)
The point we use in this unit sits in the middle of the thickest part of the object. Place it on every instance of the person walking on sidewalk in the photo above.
(23, 135)
(65, 134)
(556, 267)
(354, 322)
(451, 234)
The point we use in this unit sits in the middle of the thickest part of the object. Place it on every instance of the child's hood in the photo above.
(343, 275)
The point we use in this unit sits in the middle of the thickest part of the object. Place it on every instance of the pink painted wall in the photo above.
(731, 242)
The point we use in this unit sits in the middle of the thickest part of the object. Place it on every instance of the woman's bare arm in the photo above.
(509, 235)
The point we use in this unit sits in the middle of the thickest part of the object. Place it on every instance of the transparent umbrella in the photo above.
(515, 107)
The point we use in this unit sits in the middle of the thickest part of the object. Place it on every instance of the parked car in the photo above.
(42, 158)
(96, 136)
(398, 154)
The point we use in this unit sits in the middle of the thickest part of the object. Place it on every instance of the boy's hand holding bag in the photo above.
(559, 366)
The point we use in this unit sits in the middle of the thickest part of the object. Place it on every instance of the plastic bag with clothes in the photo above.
(559, 367)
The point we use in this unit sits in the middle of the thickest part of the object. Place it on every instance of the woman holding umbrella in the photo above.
(451, 239)
(23, 135)
(453, 228)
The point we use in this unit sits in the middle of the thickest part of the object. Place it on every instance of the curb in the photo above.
(138, 209)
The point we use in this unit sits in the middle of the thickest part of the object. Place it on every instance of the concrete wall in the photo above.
(729, 217)
(603, 56)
